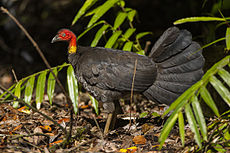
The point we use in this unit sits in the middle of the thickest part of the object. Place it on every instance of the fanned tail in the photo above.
(179, 64)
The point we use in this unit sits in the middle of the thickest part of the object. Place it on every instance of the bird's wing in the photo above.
(113, 69)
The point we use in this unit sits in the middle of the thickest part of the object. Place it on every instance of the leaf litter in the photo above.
(30, 132)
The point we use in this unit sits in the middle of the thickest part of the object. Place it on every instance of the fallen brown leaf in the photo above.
(55, 142)
(4, 118)
(24, 109)
(129, 150)
(16, 128)
(37, 139)
(50, 134)
(84, 106)
(146, 127)
(63, 120)
(46, 128)
(139, 139)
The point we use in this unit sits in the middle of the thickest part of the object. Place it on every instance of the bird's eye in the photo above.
(63, 34)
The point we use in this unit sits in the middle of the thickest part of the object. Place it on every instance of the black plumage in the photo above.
(107, 74)
(174, 64)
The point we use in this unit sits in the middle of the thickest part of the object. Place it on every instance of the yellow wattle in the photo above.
(72, 49)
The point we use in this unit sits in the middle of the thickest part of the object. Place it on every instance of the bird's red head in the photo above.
(69, 36)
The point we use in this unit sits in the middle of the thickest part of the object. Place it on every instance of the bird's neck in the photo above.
(72, 45)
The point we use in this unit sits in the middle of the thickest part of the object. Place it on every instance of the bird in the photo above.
(174, 64)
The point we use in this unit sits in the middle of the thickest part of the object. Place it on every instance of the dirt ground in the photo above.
(22, 130)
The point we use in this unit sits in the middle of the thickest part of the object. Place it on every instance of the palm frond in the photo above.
(37, 81)
(194, 114)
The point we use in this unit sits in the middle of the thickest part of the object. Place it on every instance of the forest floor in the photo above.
(22, 130)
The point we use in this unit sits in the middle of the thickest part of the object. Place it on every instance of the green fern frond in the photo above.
(119, 38)
(190, 97)
(25, 87)
(220, 69)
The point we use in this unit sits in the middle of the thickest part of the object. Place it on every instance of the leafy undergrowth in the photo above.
(23, 132)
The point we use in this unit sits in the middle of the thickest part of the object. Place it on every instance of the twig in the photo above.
(224, 18)
(69, 101)
(131, 96)
(35, 146)
(34, 109)
(79, 145)
(23, 135)
(134, 74)
(70, 150)
(68, 136)
(147, 44)
(18, 147)
(37, 49)
(27, 35)
(14, 74)
(102, 135)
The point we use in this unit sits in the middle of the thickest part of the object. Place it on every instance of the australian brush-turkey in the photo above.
(174, 64)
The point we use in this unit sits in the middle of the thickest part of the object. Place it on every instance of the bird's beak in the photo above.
(55, 39)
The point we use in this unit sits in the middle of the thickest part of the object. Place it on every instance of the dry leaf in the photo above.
(4, 118)
(156, 146)
(123, 150)
(129, 150)
(47, 122)
(139, 139)
(24, 109)
(46, 127)
(84, 106)
(55, 142)
(146, 127)
(16, 128)
(132, 149)
(37, 139)
(50, 134)
(63, 120)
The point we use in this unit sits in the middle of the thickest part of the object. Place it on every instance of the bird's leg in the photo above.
(113, 110)
(110, 108)
(110, 123)
(118, 110)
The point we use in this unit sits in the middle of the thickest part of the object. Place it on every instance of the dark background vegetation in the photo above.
(43, 18)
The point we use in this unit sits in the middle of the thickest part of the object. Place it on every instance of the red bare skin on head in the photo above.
(67, 35)
(64, 35)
